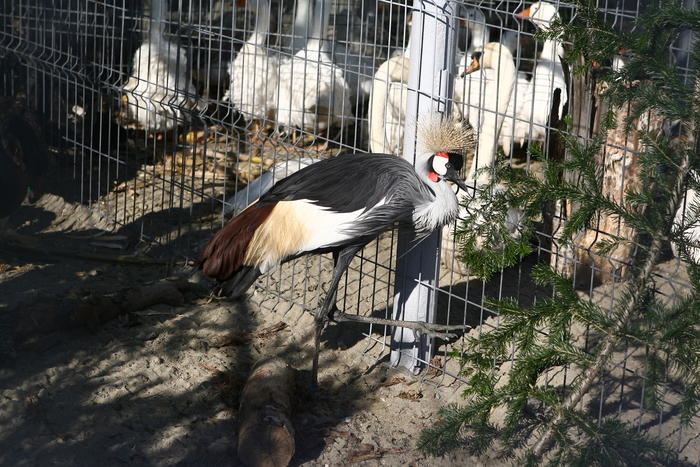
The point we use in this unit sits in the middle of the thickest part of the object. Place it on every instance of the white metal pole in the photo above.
(430, 83)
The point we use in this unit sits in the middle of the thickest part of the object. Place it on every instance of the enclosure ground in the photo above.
(161, 386)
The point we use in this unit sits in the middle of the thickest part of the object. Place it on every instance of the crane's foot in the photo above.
(433, 330)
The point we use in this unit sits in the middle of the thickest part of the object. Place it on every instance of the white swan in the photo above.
(159, 95)
(548, 76)
(387, 106)
(312, 94)
(387, 103)
(469, 89)
(301, 28)
(479, 32)
(254, 71)
(468, 86)
(491, 78)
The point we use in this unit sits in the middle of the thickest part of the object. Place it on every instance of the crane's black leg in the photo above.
(341, 262)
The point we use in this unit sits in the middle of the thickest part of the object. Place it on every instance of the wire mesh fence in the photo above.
(167, 118)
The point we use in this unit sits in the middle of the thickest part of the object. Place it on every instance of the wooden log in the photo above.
(265, 433)
(620, 168)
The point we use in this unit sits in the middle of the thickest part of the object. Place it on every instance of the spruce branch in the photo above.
(635, 291)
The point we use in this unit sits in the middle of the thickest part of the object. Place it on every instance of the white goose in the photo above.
(159, 95)
(548, 76)
(254, 71)
(312, 94)
(387, 103)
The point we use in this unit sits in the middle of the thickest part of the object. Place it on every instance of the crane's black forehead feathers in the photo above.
(457, 160)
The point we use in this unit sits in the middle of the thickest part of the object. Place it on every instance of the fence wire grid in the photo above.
(168, 118)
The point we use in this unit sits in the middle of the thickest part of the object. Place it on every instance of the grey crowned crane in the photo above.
(339, 205)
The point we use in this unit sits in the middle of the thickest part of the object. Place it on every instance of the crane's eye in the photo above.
(440, 165)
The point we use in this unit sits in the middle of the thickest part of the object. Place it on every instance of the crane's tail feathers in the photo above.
(239, 283)
(226, 251)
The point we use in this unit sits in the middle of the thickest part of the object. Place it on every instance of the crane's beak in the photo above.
(454, 177)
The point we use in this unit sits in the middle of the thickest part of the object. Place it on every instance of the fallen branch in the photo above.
(239, 337)
(14, 240)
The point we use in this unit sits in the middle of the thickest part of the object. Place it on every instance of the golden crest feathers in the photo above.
(437, 133)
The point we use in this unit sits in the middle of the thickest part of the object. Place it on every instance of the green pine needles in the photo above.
(512, 400)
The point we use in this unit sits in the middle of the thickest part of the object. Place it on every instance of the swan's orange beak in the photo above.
(523, 14)
(473, 66)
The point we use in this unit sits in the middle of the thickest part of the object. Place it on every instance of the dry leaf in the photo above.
(435, 365)
(233, 338)
(413, 396)
(270, 331)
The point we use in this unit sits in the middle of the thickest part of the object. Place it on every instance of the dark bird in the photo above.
(339, 205)
(24, 158)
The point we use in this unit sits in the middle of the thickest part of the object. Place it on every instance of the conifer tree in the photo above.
(541, 423)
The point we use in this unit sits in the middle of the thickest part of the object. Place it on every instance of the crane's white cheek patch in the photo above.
(440, 165)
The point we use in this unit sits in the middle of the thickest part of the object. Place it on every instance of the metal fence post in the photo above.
(430, 83)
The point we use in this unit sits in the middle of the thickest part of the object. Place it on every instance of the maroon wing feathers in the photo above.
(225, 252)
